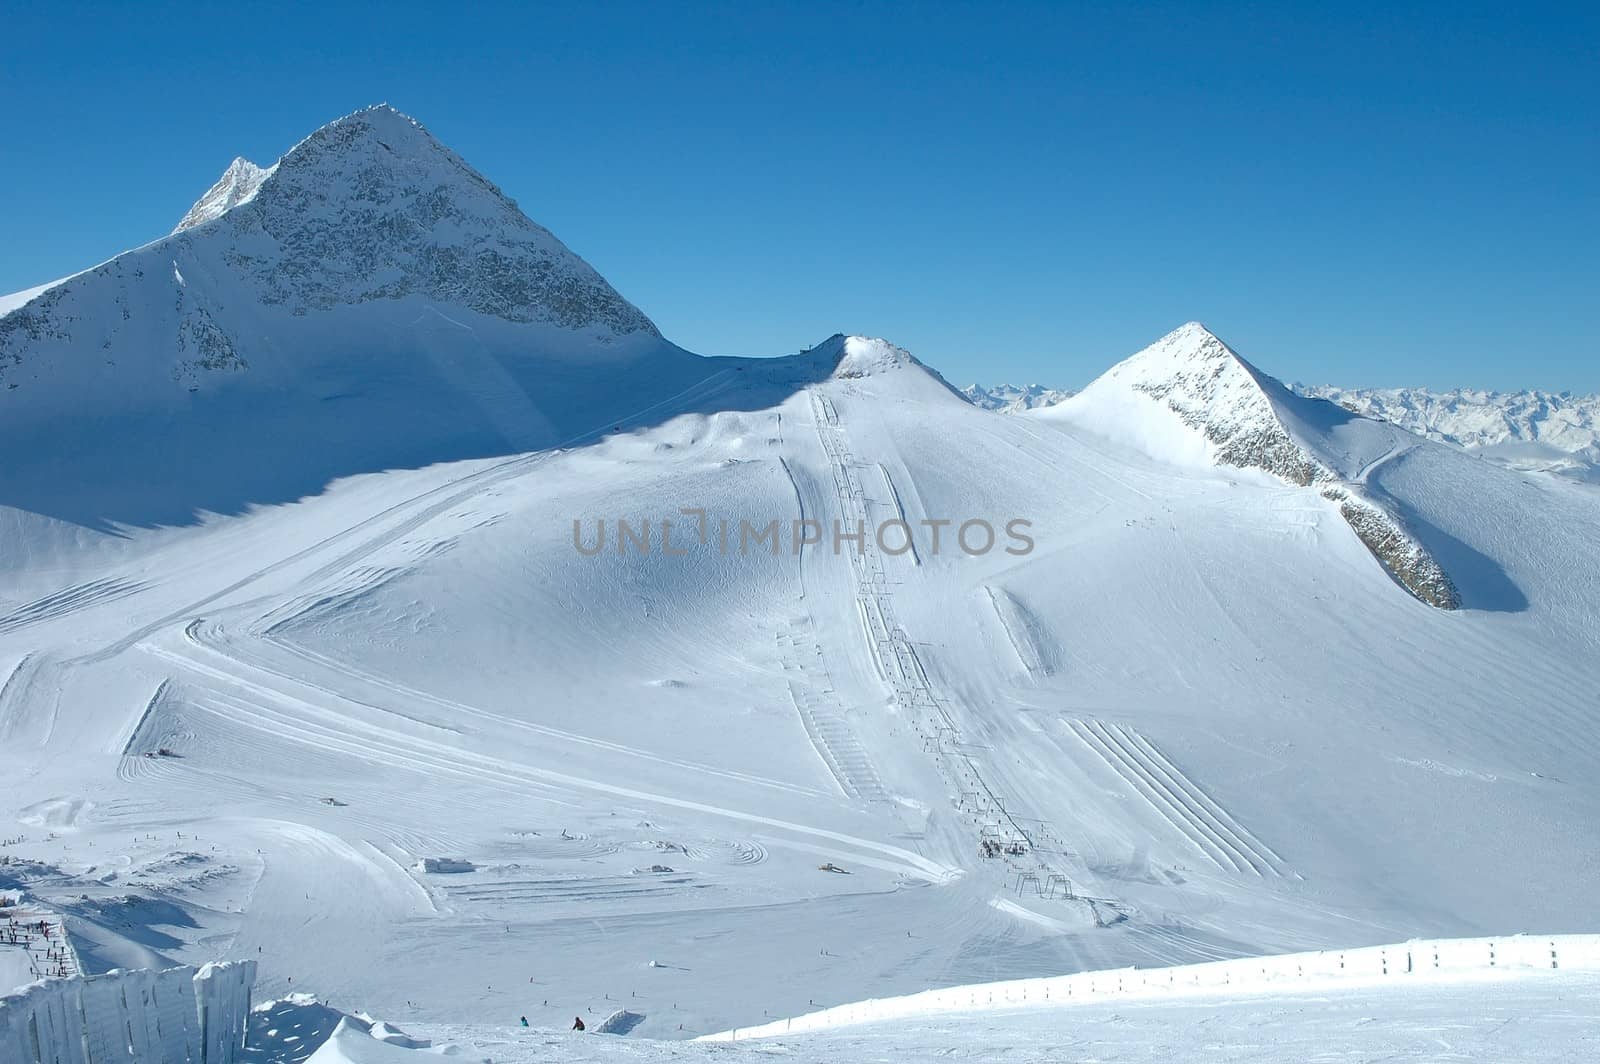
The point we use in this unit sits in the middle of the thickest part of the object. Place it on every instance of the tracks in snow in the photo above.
(1176, 799)
(831, 735)
(67, 601)
(895, 658)
(815, 698)
(309, 721)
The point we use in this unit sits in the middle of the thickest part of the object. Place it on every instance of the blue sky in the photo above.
(1383, 196)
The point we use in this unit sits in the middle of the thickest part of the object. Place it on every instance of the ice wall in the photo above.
(177, 1016)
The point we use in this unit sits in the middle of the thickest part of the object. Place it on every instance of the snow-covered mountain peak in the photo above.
(237, 184)
(1191, 399)
(1236, 410)
(866, 356)
(874, 358)
(370, 288)
(1194, 366)
(372, 206)
(366, 214)
(1014, 399)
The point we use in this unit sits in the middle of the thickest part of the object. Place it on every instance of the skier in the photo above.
(524, 1021)
(577, 1023)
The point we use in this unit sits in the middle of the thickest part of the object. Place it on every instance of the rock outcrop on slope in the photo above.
(237, 184)
(1220, 409)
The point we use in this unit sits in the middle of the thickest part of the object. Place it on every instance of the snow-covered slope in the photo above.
(1190, 398)
(1010, 399)
(1532, 430)
(526, 664)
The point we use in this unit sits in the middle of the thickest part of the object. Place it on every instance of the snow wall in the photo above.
(1422, 961)
(177, 1016)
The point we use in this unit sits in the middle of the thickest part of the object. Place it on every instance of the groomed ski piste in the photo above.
(314, 653)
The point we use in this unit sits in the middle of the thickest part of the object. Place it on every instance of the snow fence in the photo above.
(177, 1016)
(1421, 961)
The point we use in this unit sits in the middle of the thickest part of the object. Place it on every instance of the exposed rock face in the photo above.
(372, 207)
(1249, 420)
(1405, 559)
(368, 209)
(1217, 393)
(238, 183)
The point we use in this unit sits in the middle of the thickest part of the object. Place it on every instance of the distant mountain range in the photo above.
(1558, 432)
(1531, 430)
(1009, 398)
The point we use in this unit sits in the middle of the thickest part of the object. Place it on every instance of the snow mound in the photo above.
(1191, 400)
(355, 1041)
(620, 1022)
(876, 360)
(867, 356)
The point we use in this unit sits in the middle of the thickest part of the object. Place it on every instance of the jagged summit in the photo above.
(236, 185)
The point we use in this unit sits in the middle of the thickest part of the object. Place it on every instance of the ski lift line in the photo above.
(893, 652)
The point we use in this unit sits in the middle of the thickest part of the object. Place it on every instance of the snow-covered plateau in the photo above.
(385, 600)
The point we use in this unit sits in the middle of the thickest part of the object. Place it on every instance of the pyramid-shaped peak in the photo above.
(369, 155)
(372, 206)
(379, 145)
(1197, 365)
(1188, 342)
